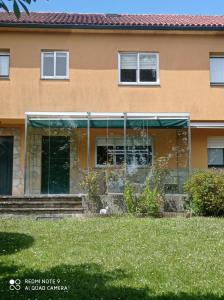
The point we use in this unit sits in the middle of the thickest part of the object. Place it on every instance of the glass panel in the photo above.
(161, 154)
(61, 64)
(217, 69)
(57, 152)
(48, 64)
(139, 152)
(107, 153)
(128, 75)
(56, 156)
(104, 155)
(215, 157)
(4, 65)
(148, 67)
(148, 76)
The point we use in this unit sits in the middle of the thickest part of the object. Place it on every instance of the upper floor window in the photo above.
(217, 69)
(4, 64)
(55, 65)
(139, 68)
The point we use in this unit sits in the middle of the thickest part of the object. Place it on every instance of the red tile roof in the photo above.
(114, 20)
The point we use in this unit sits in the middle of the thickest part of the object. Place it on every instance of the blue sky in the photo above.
(132, 6)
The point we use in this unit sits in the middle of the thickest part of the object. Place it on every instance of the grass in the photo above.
(114, 258)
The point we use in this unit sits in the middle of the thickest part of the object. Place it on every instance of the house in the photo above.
(111, 93)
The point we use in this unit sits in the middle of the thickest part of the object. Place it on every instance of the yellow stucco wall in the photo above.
(93, 84)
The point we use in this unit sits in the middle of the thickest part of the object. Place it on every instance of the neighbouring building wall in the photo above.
(93, 83)
(199, 146)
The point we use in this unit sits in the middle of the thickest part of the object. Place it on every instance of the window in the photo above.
(216, 152)
(4, 64)
(55, 65)
(111, 151)
(217, 69)
(139, 68)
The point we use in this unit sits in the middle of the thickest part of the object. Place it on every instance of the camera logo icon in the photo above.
(14, 284)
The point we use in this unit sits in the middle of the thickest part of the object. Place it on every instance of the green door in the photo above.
(6, 164)
(55, 165)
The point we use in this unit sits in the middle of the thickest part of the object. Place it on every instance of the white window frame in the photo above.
(215, 142)
(55, 53)
(5, 53)
(138, 82)
(150, 140)
(210, 57)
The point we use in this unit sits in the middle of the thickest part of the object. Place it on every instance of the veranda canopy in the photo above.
(107, 120)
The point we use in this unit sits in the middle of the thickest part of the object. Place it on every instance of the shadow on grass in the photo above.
(11, 242)
(85, 282)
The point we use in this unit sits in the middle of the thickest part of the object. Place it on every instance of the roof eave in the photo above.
(112, 27)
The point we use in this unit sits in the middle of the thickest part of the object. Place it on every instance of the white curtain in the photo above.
(4, 65)
(61, 64)
(217, 69)
(147, 62)
(129, 61)
(48, 64)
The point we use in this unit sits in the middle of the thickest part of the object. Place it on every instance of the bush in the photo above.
(146, 203)
(206, 192)
(90, 184)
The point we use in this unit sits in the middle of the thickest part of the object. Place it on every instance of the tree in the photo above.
(17, 6)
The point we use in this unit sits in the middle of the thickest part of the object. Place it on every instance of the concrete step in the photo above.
(39, 204)
(40, 199)
(40, 211)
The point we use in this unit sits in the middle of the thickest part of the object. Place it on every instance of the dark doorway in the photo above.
(6, 164)
(55, 165)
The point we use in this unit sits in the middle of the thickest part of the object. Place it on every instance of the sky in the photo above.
(206, 7)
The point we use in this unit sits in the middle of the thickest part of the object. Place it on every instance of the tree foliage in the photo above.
(17, 6)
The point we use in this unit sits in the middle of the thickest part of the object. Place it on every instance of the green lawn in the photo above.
(114, 258)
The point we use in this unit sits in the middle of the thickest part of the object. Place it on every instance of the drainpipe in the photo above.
(125, 145)
(25, 155)
(189, 148)
(88, 142)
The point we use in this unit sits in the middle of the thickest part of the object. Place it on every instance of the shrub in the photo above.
(90, 184)
(130, 197)
(206, 192)
(145, 203)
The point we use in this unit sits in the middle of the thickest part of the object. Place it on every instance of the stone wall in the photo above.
(172, 203)
(18, 168)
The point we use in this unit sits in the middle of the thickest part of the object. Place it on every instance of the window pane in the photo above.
(217, 69)
(147, 61)
(48, 64)
(119, 155)
(215, 157)
(148, 66)
(128, 75)
(139, 155)
(128, 65)
(4, 65)
(61, 64)
(143, 155)
(148, 76)
(104, 155)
